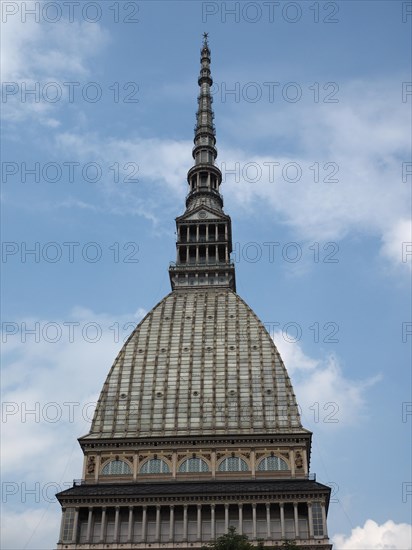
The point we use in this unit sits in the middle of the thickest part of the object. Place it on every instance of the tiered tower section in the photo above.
(204, 233)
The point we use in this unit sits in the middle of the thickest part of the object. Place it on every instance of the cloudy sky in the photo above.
(313, 106)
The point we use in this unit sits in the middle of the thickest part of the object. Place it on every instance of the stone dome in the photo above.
(200, 363)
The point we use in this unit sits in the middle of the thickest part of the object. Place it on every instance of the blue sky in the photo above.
(313, 111)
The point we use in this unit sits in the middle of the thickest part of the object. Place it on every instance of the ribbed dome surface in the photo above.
(199, 363)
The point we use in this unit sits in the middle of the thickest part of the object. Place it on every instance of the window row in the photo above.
(195, 465)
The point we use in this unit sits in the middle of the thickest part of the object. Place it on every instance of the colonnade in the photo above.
(192, 522)
(192, 243)
(213, 232)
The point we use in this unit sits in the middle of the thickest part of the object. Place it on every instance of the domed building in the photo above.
(197, 427)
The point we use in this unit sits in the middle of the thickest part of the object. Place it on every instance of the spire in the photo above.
(204, 151)
(205, 139)
(204, 234)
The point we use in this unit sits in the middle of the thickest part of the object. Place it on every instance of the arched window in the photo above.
(194, 465)
(271, 463)
(155, 466)
(233, 464)
(116, 467)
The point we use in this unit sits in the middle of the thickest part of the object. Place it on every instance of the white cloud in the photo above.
(326, 397)
(42, 56)
(397, 242)
(42, 412)
(39, 413)
(162, 163)
(165, 160)
(367, 137)
(372, 536)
